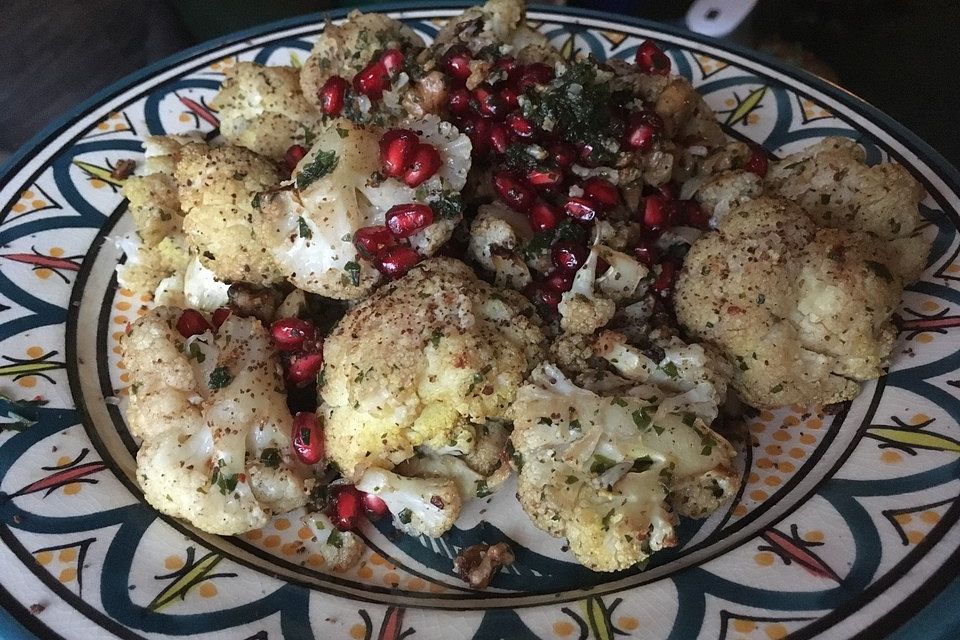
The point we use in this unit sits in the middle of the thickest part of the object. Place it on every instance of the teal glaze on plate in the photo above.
(846, 525)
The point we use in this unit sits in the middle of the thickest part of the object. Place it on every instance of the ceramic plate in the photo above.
(846, 525)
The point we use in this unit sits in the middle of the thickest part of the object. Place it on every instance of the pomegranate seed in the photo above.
(518, 196)
(289, 334)
(332, 95)
(220, 316)
(392, 60)
(459, 101)
(303, 368)
(544, 216)
(663, 285)
(294, 155)
(396, 151)
(510, 97)
(519, 125)
(643, 129)
(646, 253)
(397, 260)
(456, 62)
(499, 137)
(656, 212)
(559, 281)
(346, 508)
(424, 163)
(563, 154)
(757, 163)
(404, 220)
(541, 295)
(370, 241)
(568, 256)
(585, 152)
(603, 192)
(375, 507)
(692, 215)
(544, 178)
(669, 190)
(651, 59)
(533, 74)
(478, 130)
(192, 323)
(489, 103)
(307, 438)
(580, 208)
(506, 63)
(372, 80)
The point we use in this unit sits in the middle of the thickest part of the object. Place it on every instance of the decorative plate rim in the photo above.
(14, 617)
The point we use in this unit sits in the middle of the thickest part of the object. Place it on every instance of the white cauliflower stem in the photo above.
(427, 506)
(340, 549)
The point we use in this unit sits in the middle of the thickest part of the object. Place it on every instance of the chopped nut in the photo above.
(123, 170)
(476, 565)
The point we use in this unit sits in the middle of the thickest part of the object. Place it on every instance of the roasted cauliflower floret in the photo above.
(800, 313)
(611, 472)
(263, 109)
(214, 423)
(420, 363)
(496, 22)
(497, 234)
(339, 190)
(340, 549)
(158, 249)
(217, 187)
(347, 48)
(592, 300)
(419, 506)
(833, 184)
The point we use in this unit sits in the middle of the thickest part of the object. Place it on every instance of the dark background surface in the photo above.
(900, 55)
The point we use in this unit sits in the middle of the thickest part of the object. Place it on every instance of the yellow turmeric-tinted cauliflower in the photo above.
(263, 109)
(611, 471)
(212, 415)
(421, 362)
(217, 186)
(802, 314)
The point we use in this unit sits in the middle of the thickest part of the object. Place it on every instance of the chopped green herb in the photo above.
(517, 458)
(670, 369)
(879, 269)
(196, 353)
(620, 402)
(777, 388)
(601, 463)
(226, 483)
(304, 228)
(641, 418)
(322, 164)
(353, 268)
(761, 298)
(255, 203)
(343, 133)
(571, 479)
(482, 489)
(270, 457)
(449, 205)
(335, 539)
(657, 429)
(689, 419)
(642, 464)
(575, 425)
(545, 420)
(405, 516)
(219, 378)
(741, 364)
(435, 338)
(606, 519)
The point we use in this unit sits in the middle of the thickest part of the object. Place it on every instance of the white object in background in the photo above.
(721, 18)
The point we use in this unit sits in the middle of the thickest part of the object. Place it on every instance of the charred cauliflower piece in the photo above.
(833, 184)
(338, 189)
(345, 49)
(217, 187)
(263, 109)
(214, 423)
(420, 363)
(801, 314)
(611, 472)
(497, 22)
